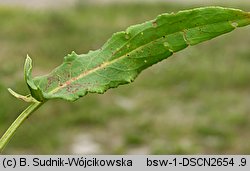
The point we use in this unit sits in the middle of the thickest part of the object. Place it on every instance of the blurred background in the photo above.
(196, 102)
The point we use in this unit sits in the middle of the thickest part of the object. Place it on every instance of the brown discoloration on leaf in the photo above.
(50, 80)
(154, 24)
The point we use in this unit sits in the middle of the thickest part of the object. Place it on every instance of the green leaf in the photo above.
(127, 53)
(34, 89)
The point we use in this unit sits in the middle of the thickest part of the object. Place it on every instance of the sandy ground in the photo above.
(66, 3)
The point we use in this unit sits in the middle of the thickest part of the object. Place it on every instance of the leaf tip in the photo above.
(27, 56)
(27, 98)
(27, 66)
(28, 60)
(11, 92)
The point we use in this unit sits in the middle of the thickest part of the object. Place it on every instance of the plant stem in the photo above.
(16, 124)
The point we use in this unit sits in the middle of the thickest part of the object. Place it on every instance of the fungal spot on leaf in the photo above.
(128, 45)
(145, 61)
(127, 36)
(185, 37)
(154, 24)
(234, 24)
(142, 33)
(51, 80)
(166, 44)
(69, 88)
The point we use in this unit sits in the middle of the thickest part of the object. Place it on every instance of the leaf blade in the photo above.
(127, 53)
